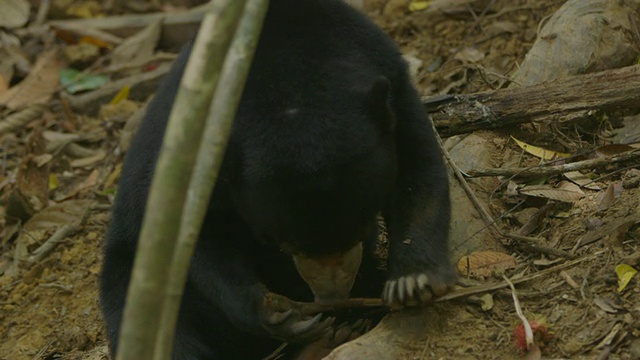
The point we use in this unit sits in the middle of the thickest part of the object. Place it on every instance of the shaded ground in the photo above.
(49, 307)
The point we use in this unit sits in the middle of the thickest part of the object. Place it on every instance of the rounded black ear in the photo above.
(379, 106)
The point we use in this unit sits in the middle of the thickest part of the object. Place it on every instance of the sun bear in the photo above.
(329, 134)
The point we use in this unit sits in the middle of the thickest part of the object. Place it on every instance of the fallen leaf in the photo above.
(74, 81)
(14, 13)
(487, 302)
(38, 86)
(609, 229)
(625, 274)
(123, 94)
(582, 180)
(82, 54)
(564, 191)
(95, 41)
(38, 228)
(618, 235)
(85, 9)
(613, 149)
(486, 263)
(547, 262)
(119, 112)
(502, 27)
(31, 191)
(137, 49)
(469, 54)
(606, 199)
(98, 156)
(544, 154)
(89, 182)
(418, 5)
(53, 182)
(535, 219)
(604, 305)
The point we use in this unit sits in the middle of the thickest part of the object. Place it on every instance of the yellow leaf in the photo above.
(85, 10)
(123, 94)
(53, 182)
(540, 152)
(625, 274)
(418, 5)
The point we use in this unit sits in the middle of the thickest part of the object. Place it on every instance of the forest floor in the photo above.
(69, 165)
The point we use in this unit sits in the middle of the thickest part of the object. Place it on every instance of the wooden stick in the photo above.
(500, 285)
(310, 309)
(539, 171)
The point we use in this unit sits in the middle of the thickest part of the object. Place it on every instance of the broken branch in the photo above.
(566, 99)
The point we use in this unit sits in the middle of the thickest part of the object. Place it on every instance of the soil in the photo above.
(49, 306)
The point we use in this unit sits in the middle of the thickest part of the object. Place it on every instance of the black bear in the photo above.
(329, 133)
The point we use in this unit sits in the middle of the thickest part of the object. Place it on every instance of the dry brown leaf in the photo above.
(38, 86)
(501, 27)
(581, 179)
(613, 149)
(604, 305)
(98, 156)
(89, 182)
(137, 49)
(486, 263)
(39, 227)
(14, 13)
(606, 198)
(615, 228)
(512, 188)
(564, 191)
(469, 54)
(534, 221)
(31, 191)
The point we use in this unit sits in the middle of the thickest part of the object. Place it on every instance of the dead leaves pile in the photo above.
(609, 197)
(66, 91)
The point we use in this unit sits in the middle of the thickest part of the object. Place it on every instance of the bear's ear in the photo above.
(378, 104)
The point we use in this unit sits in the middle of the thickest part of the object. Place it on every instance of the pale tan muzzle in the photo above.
(330, 278)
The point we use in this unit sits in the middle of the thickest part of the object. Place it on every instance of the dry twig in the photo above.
(542, 170)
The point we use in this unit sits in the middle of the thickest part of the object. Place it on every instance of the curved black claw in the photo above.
(413, 290)
(332, 339)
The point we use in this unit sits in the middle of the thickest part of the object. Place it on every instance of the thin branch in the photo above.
(500, 285)
(484, 213)
(536, 245)
(543, 170)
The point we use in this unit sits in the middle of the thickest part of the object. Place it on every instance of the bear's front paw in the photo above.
(332, 339)
(414, 289)
(292, 327)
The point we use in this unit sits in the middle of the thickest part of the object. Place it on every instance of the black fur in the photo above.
(329, 133)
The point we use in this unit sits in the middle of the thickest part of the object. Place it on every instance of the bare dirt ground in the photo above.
(49, 300)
